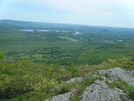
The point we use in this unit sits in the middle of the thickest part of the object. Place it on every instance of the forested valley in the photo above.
(37, 56)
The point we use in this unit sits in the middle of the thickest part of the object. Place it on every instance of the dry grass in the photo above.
(86, 69)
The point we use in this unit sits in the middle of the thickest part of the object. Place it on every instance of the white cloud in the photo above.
(86, 8)
(80, 4)
(26, 2)
(110, 11)
(94, 7)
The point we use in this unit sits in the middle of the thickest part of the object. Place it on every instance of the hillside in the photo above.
(29, 24)
(110, 85)
(64, 44)
(24, 80)
(62, 62)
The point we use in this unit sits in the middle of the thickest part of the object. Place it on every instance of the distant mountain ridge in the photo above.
(16, 23)
(33, 24)
(36, 24)
(9, 25)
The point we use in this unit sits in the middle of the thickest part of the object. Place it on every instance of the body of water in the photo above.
(26, 30)
(45, 30)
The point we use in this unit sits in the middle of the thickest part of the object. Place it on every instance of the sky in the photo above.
(114, 13)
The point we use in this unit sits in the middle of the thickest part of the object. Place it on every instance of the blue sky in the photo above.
(119, 13)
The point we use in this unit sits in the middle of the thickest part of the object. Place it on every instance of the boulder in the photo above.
(77, 79)
(73, 80)
(62, 97)
(117, 73)
(99, 91)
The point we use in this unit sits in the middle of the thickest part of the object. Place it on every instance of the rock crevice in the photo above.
(99, 90)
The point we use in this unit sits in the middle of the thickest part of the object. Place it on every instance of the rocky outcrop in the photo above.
(62, 97)
(117, 73)
(99, 90)
(77, 79)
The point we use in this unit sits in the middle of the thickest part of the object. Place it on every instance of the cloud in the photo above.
(86, 8)
(100, 11)
(93, 7)
(26, 2)
(82, 11)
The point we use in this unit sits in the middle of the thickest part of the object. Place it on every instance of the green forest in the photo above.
(35, 57)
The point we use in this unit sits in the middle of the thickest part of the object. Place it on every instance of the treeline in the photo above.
(24, 80)
(92, 46)
(24, 77)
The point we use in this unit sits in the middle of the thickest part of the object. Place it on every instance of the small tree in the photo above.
(1, 54)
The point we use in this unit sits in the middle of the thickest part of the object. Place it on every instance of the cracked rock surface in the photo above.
(117, 73)
(62, 97)
(99, 91)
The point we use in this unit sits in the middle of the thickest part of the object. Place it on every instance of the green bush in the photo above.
(124, 63)
(1, 54)
(24, 77)
(123, 85)
(73, 70)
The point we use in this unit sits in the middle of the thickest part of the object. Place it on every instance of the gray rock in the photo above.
(78, 79)
(62, 97)
(117, 73)
(96, 86)
(99, 91)
(132, 72)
